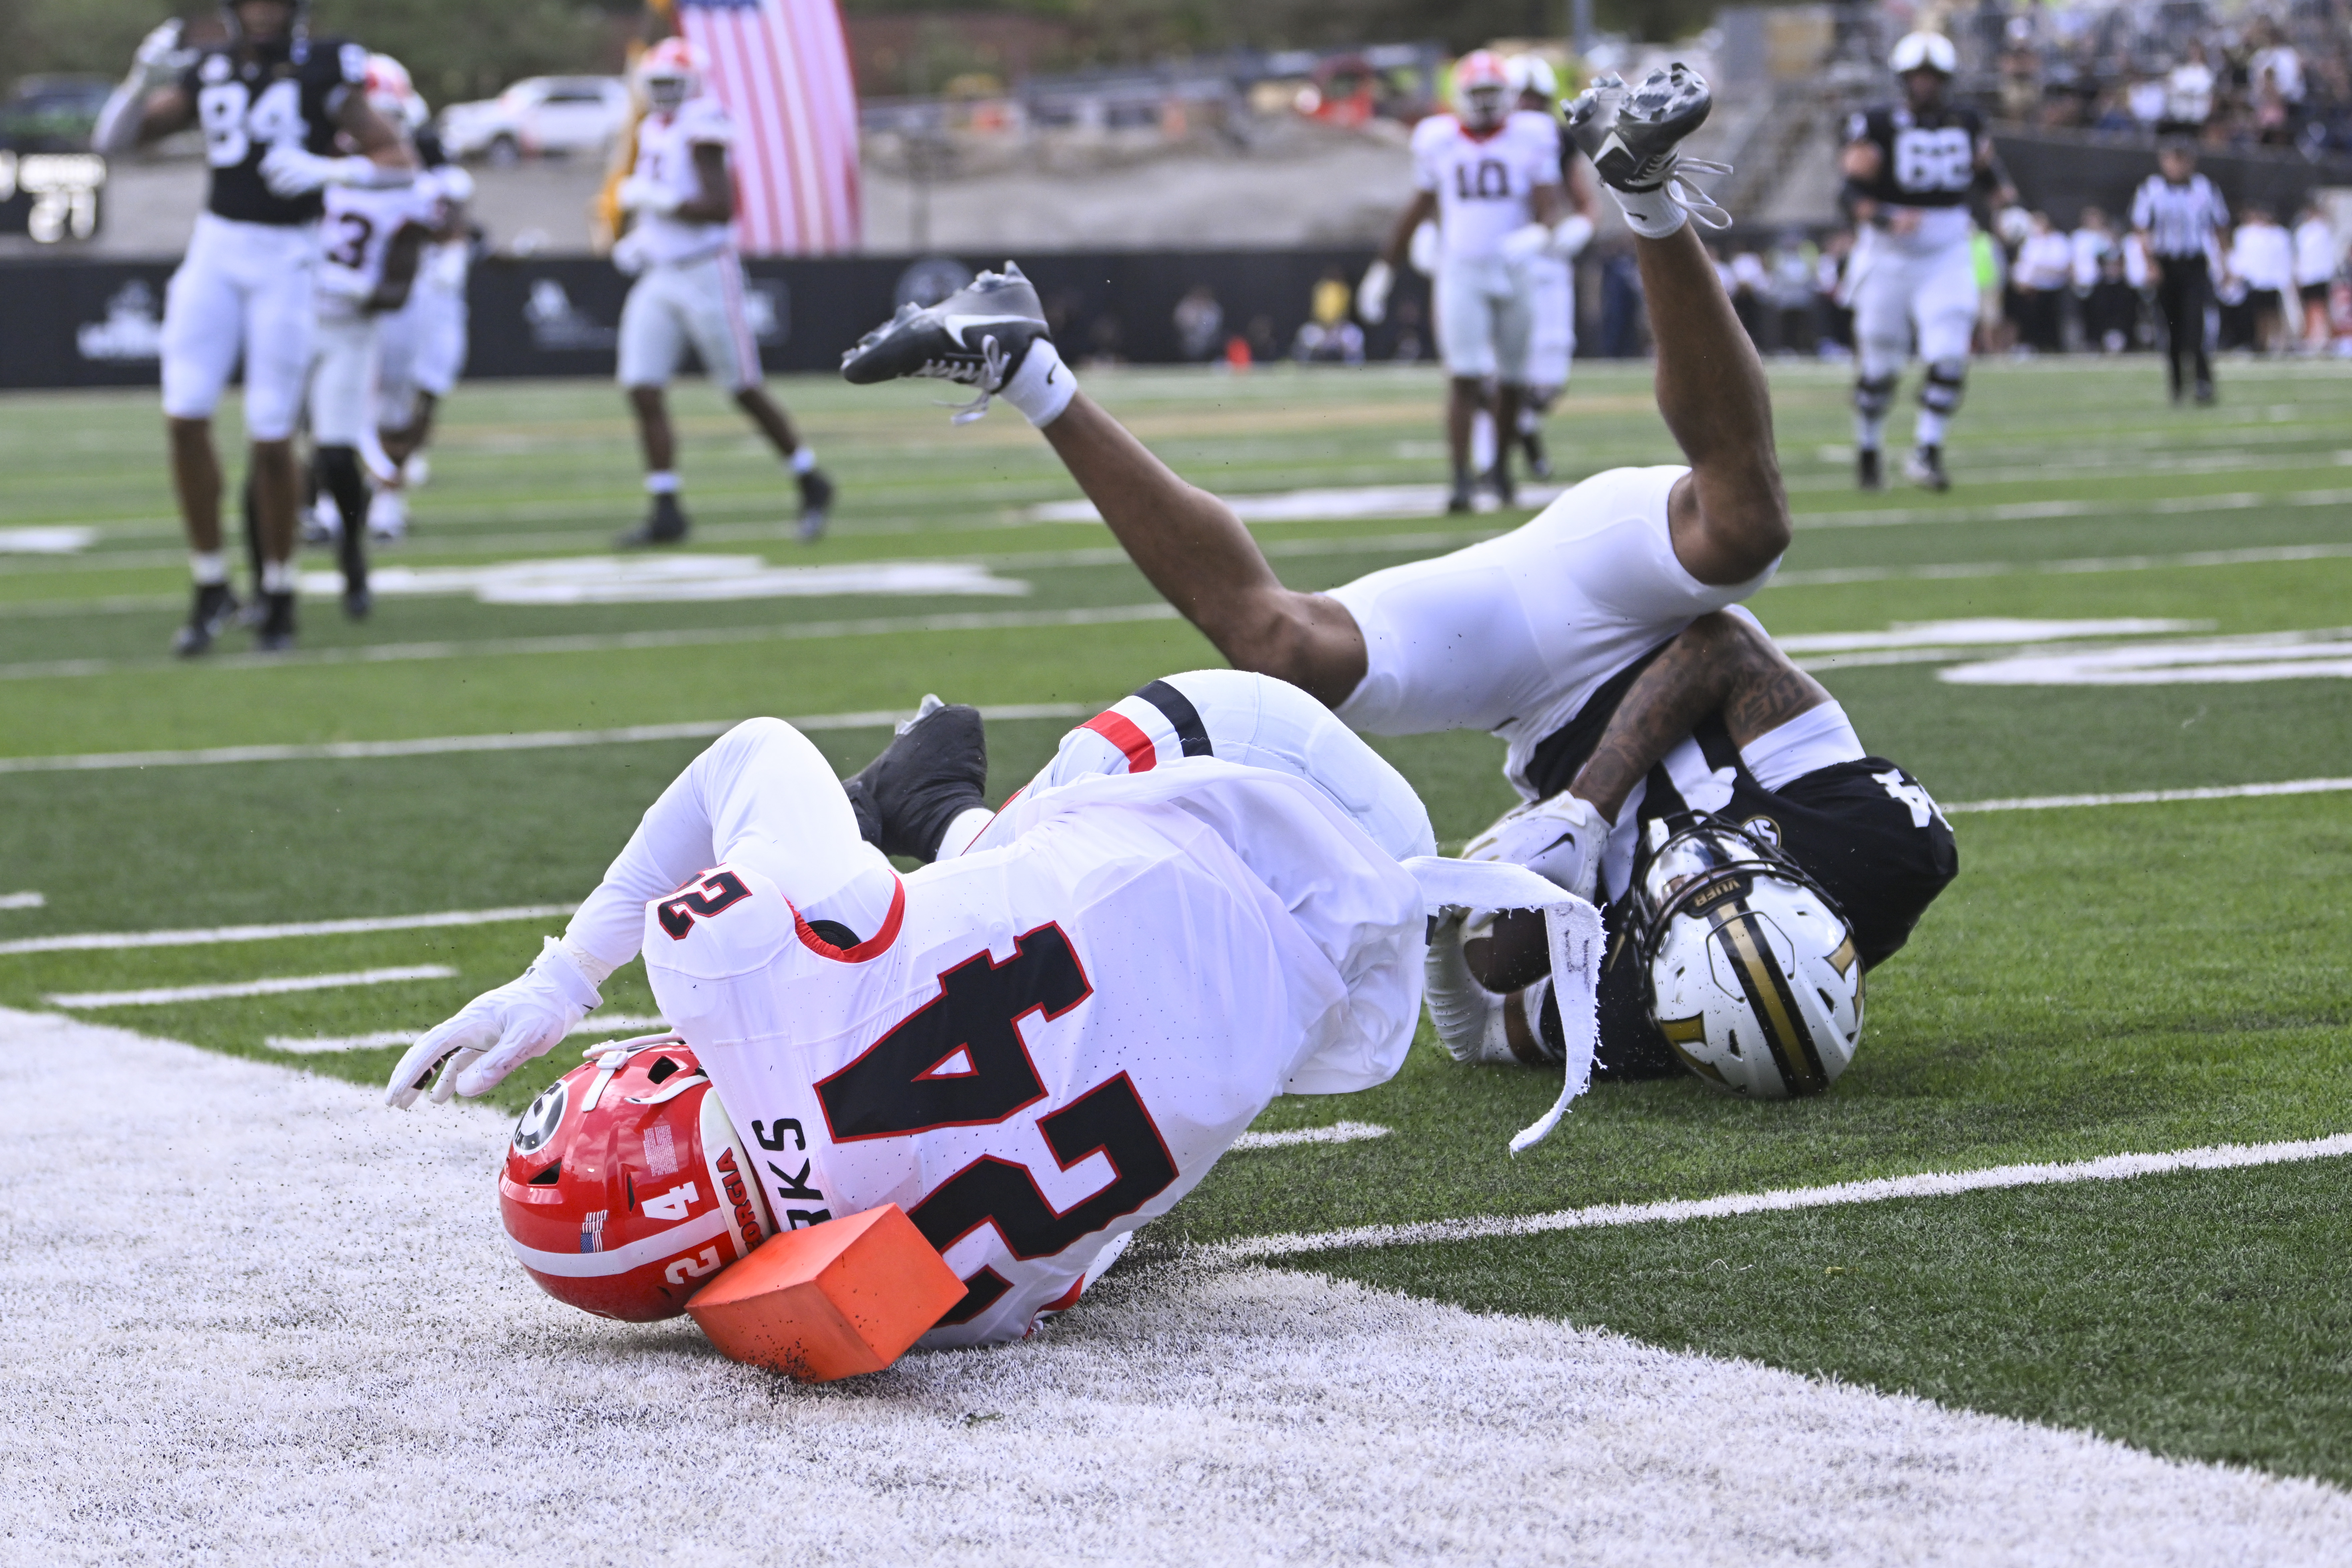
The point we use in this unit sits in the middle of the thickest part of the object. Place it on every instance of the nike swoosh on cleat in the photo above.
(956, 325)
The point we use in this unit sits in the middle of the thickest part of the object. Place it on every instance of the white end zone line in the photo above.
(1929, 1185)
(98, 940)
(275, 986)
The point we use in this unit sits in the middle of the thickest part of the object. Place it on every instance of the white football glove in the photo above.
(154, 59)
(1559, 838)
(1529, 240)
(290, 171)
(1570, 235)
(1460, 1008)
(498, 1031)
(1372, 293)
(639, 194)
(629, 254)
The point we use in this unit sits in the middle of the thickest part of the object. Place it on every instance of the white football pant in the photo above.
(244, 288)
(1484, 325)
(698, 303)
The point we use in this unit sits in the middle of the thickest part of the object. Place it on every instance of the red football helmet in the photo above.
(625, 1188)
(1482, 89)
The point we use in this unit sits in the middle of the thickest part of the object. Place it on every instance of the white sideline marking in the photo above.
(620, 642)
(275, 986)
(541, 740)
(22, 902)
(327, 1045)
(2155, 796)
(97, 941)
(1338, 1132)
(1928, 1185)
(670, 579)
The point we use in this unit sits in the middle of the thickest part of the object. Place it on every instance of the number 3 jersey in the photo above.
(356, 238)
(1047, 1043)
(284, 96)
(1927, 161)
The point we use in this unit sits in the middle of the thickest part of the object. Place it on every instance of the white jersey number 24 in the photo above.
(233, 120)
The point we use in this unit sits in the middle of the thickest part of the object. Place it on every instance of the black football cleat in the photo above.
(1867, 474)
(1506, 488)
(664, 524)
(1924, 468)
(275, 634)
(213, 612)
(976, 337)
(1631, 135)
(934, 769)
(816, 505)
(358, 603)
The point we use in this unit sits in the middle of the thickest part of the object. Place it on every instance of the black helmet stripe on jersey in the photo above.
(1182, 716)
(1768, 1000)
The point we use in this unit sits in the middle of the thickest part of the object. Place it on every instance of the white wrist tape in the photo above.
(1042, 386)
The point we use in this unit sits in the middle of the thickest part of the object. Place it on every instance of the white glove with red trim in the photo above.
(498, 1031)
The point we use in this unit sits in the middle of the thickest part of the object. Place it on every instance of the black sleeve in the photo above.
(330, 74)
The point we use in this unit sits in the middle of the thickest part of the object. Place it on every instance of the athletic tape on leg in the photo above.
(1573, 929)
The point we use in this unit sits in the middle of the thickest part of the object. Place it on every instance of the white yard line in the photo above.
(2155, 796)
(618, 642)
(1338, 1132)
(2257, 555)
(28, 900)
(275, 986)
(1926, 1184)
(330, 1045)
(535, 741)
(103, 940)
(319, 1347)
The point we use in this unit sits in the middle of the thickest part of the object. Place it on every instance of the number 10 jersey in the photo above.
(1049, 1043)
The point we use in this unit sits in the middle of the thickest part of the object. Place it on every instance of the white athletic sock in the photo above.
(278, 576)
(1869, 431)
(1042, 386)
(663, 482)
(1652, 214)
(803, 459)
(208, 567)
(1930, 429)
(962, 831)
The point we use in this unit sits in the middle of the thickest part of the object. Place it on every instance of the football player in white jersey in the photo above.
(421, 348)
(1034, 1045)
(1911, 170)
(368, 245)
(689, 287)
(1490, 175)
(272, 103)
(1547, 275)
(1542, 636)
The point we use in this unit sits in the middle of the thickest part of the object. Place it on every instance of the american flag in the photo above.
(782, 68)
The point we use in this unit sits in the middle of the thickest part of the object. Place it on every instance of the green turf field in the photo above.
(2102, 979)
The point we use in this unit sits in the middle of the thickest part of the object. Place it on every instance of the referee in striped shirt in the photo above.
(2180, 218)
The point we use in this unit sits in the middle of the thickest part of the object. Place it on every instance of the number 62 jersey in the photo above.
(1927, 160)
(1049, 1043)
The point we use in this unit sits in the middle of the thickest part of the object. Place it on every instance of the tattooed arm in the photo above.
(1721, 663)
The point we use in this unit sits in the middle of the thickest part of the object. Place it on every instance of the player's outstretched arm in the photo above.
(762, 795)
(1196, 553)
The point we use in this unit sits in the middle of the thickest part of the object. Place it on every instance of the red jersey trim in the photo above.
(874, 946)
(1117, 728)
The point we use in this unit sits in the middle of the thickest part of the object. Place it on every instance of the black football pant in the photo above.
(2180, 297)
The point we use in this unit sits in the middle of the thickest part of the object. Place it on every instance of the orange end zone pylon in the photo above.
(830, 1302)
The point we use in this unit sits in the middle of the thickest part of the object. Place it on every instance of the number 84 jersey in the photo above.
(1048, 1044)
(245, 108)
